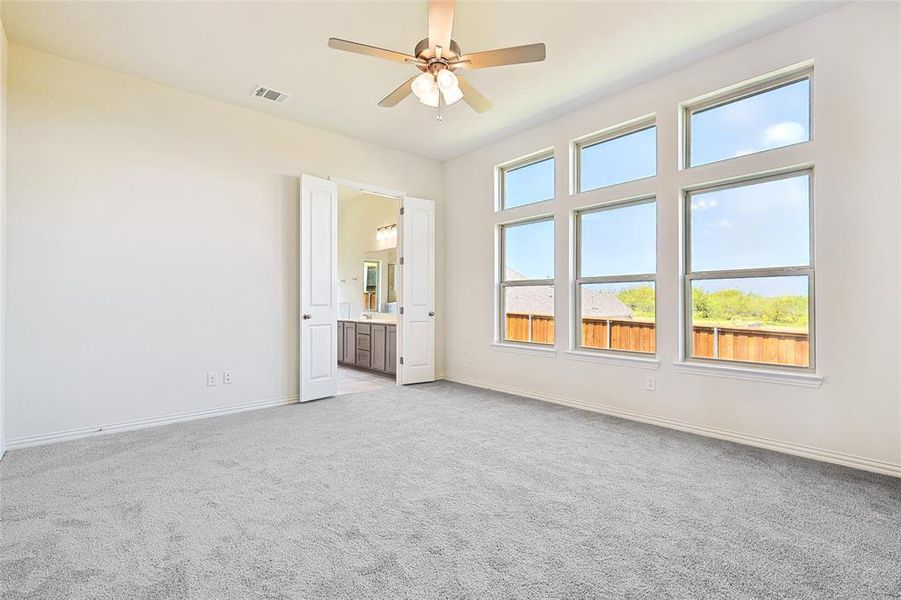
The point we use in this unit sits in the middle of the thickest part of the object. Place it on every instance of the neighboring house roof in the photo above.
(539, 300)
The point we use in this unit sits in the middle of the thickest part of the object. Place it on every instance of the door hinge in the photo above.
(401, 310)
(401, 360)
(401, 260)
(401, 210)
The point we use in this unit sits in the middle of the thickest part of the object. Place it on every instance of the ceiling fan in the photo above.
(438, 57)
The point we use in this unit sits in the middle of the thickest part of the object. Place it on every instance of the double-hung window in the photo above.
(526, 290)
(749, 271)
(616, 277)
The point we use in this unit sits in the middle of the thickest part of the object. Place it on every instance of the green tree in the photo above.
(640, 299)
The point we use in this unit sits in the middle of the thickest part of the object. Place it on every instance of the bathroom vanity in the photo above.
(368, 344)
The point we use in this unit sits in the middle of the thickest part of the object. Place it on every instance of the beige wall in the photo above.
(4, 52)
(854, 416)
(153, 237)
(358, 219)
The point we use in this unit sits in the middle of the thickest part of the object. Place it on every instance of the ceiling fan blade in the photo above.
(441, 21)
(473, 97)
(399, 94)
(339, 44)
(503, 56)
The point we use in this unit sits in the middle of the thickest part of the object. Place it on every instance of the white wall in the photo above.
(854, 417)
(358, 220)
(4, 51)
(152, 238)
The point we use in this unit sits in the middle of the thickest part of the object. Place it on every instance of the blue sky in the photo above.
(532, 183)
(625, 158)
(759, 225)
(770, 120)
(529, 249)
(754, 226)
(620, 241)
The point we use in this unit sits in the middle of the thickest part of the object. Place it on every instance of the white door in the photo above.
(417, 323)
(318, 288)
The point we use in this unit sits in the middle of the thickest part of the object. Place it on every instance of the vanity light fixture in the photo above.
(387, 232)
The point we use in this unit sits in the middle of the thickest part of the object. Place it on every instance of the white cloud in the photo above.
(703, 204)
(783, 134)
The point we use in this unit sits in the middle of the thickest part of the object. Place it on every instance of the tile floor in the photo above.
(352, 381)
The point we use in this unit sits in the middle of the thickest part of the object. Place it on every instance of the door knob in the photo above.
(307, 316)
(431, 313)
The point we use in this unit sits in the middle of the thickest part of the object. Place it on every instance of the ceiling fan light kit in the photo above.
(437, 57)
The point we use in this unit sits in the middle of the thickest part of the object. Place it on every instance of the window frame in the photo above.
(607, 135)
(579, 280)
(742, 92)
(519, 163)
(689, 276)
(503, 284)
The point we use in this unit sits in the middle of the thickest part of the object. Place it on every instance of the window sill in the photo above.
(806, 379)
(545, 351)
(605, 358)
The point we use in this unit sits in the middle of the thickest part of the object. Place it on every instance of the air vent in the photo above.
(270, 94)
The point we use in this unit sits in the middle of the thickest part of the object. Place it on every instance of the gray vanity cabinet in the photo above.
(340, 341)
(377, 354)
(391, 349)
(350, 343)
(370, 346)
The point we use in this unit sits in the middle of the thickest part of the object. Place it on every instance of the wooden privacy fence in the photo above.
(729, 343)
(752, 345)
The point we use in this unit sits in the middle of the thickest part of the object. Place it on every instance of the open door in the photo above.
(416, 327)
(318, 288)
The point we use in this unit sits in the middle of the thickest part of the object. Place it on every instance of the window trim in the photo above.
(519, 163)
(578, 280)
(688, 276)
(609, 134)
(743, 92)
(502, 283)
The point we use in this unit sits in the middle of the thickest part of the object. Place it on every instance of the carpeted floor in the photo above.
(438, 490)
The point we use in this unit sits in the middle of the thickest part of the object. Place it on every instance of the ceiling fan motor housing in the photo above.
(424, 52)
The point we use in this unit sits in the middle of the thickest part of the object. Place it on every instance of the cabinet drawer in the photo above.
(363, 328)
(363, 342)
(362, 359)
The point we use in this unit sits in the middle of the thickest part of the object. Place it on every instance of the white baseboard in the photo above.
(82, 432)
(830, 456)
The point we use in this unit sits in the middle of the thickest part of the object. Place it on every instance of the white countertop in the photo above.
(377, 321)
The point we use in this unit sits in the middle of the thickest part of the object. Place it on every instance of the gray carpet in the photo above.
(434, 491)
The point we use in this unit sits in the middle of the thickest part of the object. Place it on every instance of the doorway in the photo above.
(367, 286)
(367, 289)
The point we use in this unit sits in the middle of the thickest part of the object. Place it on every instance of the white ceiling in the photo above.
(223, 49)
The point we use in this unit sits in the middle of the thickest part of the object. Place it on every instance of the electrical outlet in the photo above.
(226, 377)
(212, 378)
(651, 384)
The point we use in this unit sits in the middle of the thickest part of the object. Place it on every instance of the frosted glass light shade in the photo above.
(446, 79)
(451, 94)
(423, 85)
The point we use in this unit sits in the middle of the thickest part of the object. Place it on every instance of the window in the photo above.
(527, 282)
(749, 271)
(617, 156)
(766, 116)
(527, 181)
(616, 253)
